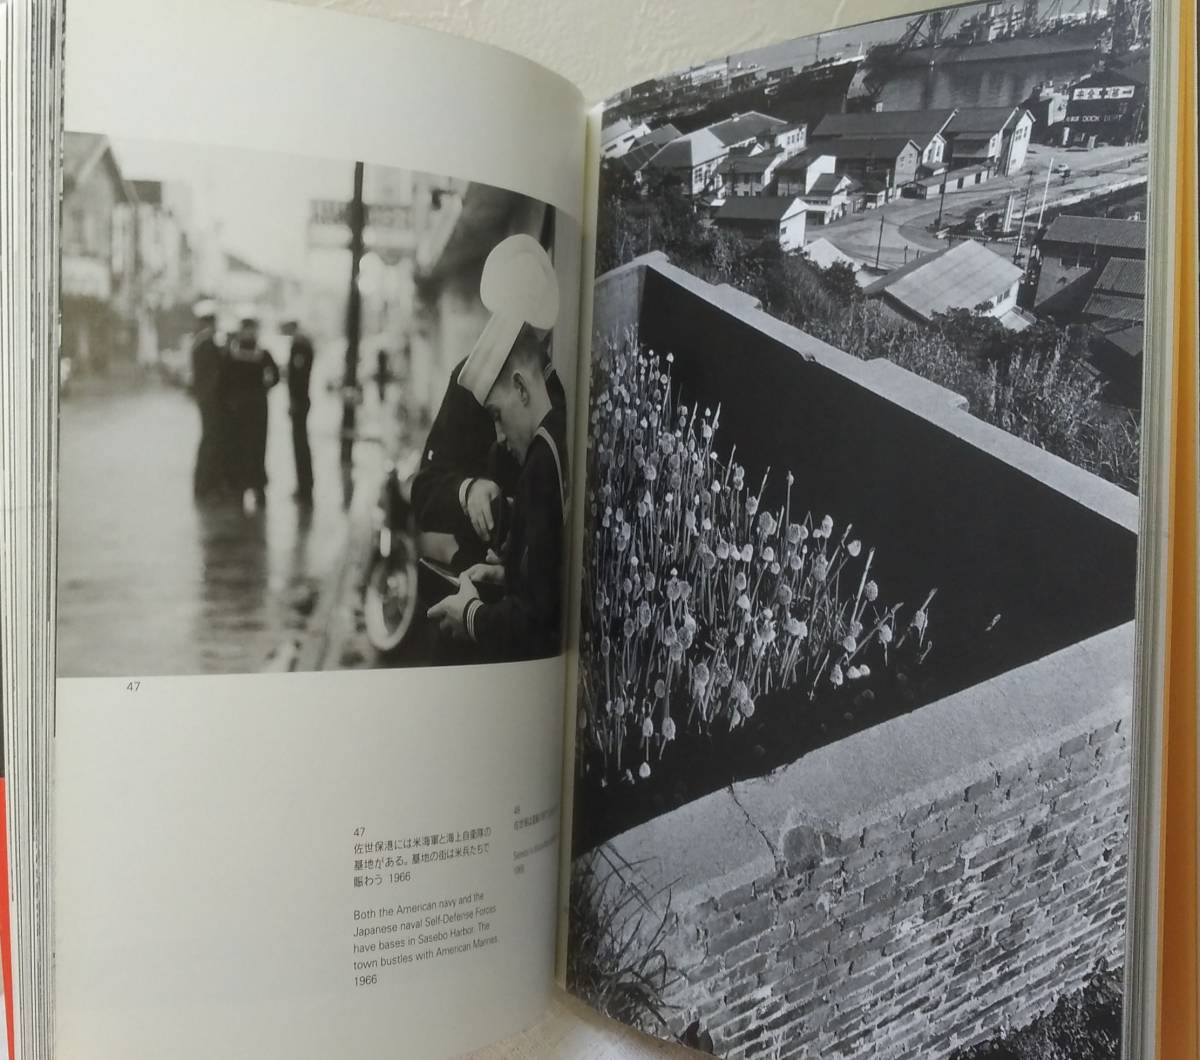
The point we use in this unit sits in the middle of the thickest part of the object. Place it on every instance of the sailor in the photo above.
(299, 372)
(208, 359)
(464, 472)
(504, 375)
(251, 372)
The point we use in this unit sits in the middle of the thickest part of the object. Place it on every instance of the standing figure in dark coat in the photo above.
(251, 372)
(208, 361)
(299, 373)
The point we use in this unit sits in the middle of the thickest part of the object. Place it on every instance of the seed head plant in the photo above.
(699, 599)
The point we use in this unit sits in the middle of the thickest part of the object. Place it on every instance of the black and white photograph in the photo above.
(852, 761)
(310, 416)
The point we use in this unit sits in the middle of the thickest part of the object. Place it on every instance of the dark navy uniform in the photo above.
(299, 373)
(250, 373)
(527, 622)
(462, 446)
(208, 361)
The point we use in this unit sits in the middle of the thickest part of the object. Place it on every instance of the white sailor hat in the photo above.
(206, 307)
(519, 287)
(247, 313)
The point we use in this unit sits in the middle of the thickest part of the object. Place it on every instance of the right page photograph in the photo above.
(860, 563)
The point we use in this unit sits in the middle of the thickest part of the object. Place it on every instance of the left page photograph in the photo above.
(320, 285)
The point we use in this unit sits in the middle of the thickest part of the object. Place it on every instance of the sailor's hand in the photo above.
(449, 613)
(489, 573)
(480, 495)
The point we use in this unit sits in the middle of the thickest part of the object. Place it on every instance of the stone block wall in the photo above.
(836, 910)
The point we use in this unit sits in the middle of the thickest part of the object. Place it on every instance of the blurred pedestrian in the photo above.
(299, 374)
(208, 362)
(251, 372)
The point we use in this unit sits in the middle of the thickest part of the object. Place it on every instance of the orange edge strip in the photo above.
(1178, 1032)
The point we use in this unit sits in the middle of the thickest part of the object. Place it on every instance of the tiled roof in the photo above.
(959, 277)
(757, 208)
(870, 147)
(1125, 276)
(1102, 231)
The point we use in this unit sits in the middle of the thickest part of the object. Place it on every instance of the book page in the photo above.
(319, 318)
(866, 733)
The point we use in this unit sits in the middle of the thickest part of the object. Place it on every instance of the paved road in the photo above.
(151, 582)
(905, 222)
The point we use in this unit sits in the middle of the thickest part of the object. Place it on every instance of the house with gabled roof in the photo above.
(964, 276)
(889, 162)
(774, 217)
(924, 127)
(99, 254)
(692, 158)
(646, 147)
(616, 139)
(994, 137)
(749, 174)
(1076, 240)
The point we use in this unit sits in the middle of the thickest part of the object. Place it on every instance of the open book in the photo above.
(707, 549)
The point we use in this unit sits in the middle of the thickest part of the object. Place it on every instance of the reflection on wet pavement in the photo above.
(150, 581)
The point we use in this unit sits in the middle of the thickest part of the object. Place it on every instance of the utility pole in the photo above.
(1045, 191)
(358, 222)
(879, 245)
(941, 203)
(1024, 211)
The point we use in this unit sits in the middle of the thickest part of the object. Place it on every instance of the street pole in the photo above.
(353, 320)
(1045, 191)
(1024, 211)
(879, 245)
(941, 204)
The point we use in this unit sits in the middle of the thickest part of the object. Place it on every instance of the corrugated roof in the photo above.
(909, 123)
(758, 208)
(957, 278)
(1102, 231)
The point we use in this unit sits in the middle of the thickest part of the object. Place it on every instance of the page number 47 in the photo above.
(133, 686)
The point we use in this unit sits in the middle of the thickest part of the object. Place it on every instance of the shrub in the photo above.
(699, 600)
(615, 956)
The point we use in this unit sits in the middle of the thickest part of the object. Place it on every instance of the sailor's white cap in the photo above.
(519, 287)
(206, 307)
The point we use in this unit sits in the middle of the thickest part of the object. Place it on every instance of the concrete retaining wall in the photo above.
(926, 882)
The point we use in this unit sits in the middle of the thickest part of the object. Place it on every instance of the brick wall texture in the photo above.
(923, 932)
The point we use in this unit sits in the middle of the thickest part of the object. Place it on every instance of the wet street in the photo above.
(151, 582)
